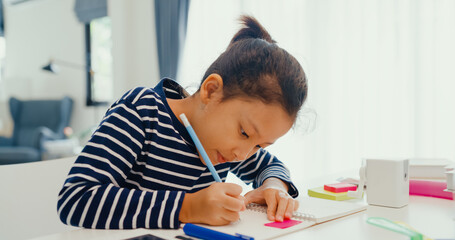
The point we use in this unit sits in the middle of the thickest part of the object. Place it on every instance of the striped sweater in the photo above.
(139, 163)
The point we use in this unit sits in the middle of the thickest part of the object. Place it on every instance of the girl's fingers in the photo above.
(296, 205)
(271, 207)
(280, 205)
(254, 196)
(244, 200)
(230, 216)
(231, 189)
(234, 204)
(289, 209)
(283, 201)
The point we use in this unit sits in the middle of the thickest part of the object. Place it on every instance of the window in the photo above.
(99, 61)
(2, 60)
(2, 63)
(2, 55)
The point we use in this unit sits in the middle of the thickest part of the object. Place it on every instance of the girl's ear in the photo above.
(212, 88)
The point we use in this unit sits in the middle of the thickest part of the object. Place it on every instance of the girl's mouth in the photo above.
(220, 158)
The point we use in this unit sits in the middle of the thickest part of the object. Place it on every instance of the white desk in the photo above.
(431, 216)
(28, 200)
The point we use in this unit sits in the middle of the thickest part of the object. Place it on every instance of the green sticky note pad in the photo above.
(319, 192)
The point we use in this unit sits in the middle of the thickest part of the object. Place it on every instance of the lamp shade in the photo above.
(51, 67)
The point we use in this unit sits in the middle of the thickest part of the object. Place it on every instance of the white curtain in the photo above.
(380, 78)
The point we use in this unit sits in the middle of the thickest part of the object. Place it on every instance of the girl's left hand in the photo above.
(273, 192)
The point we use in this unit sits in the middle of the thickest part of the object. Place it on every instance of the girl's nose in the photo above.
(243, 152)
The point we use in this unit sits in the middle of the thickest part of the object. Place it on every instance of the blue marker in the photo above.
(199, 147)
(209, 234)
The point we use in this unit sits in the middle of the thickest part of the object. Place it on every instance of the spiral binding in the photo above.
(297, 215)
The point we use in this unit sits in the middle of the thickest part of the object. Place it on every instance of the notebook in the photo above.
(311, 211)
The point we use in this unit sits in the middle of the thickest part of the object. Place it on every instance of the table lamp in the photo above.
(53, 66)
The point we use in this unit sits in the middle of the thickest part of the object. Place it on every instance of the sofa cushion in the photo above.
(11, 155)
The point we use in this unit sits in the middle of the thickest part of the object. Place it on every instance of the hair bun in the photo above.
(252, 29)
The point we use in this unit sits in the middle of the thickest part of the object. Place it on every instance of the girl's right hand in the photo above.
(219, 204)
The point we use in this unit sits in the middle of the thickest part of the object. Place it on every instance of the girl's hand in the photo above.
(218, 204)
(274, 193)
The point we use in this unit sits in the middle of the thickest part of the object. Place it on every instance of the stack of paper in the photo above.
(427, 168)
(428, 177)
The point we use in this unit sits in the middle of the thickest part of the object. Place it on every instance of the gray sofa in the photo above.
(35, 121)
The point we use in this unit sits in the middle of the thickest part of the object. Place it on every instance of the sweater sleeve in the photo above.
(93, 195)
(263, 165)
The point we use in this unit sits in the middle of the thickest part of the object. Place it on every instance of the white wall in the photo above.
(379, 73)
(134, 47)
(42, 29)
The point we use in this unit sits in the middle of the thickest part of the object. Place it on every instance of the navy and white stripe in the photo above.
(140, 162)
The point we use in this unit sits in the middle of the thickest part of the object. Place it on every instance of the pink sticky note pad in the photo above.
(285, 224)
(340, 187)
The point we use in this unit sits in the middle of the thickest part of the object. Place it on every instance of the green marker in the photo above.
(389, 225)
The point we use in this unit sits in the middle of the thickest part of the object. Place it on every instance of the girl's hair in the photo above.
(253, 66)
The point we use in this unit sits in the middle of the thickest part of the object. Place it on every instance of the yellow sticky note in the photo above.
(319, 192)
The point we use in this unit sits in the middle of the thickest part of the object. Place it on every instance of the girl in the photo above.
(142, 170)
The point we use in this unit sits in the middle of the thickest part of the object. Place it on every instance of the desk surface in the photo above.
(24, 217)
(431, 216)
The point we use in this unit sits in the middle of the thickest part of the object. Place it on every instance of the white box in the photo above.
(387, 182)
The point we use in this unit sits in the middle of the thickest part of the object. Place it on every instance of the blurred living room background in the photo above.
(380, 71)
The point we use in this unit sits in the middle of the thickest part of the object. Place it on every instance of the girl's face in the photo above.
(233, 130)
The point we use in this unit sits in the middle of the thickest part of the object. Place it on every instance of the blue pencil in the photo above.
(199, 147)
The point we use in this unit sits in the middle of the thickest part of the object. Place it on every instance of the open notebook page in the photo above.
(252, 222)
(325, 210)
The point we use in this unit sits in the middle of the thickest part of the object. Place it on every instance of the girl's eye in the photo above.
(244, 133)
